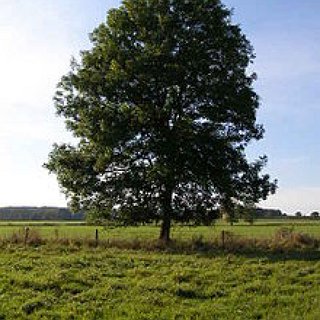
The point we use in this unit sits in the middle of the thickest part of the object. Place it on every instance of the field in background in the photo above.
(263, 228)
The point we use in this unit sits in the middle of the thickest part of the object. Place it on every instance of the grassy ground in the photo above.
(72, 281)
(68, 283)
(261, 229)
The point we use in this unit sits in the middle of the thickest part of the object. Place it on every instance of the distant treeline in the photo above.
(268, 213)
(56, 213)
(275, 213)
(38, 213)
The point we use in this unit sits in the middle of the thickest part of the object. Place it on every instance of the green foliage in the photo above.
(247, 212)
(163, 107)
(315, 214)
(230, 216)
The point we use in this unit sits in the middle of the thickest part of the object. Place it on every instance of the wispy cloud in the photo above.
(291, 200)
(37, 40)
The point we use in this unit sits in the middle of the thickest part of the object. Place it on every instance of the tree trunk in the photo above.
(165, 229)
(166, 216)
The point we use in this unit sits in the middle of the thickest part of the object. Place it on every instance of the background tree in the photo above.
(247, 212)
(314, 214)
(298, 214)
(229, 213)
(163, 107)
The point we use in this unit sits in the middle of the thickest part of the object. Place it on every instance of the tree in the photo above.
(247, 212)
(314, 214)
(163, 107)
(298, 214)
(230, 214)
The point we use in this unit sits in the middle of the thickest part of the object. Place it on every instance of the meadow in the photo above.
(262, 228)
(56, 281)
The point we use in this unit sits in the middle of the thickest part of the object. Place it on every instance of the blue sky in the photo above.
(38, 38)
(285, 35)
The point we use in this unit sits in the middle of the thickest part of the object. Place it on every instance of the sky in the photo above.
(39, 37)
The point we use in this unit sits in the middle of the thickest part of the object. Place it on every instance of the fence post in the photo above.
(26, 235)
(222, 238)
(97, 237)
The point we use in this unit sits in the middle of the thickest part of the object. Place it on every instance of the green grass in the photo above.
(66, 283)
(261, 229)
(72, 281)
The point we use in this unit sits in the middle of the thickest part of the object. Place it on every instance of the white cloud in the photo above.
(29, 188)
(291, 200)
(35, 53)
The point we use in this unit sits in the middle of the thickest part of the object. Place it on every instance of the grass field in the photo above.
(56, 281)
(44, 283)
(261, 229)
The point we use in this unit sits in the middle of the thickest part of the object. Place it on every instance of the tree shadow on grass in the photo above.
(285, 245)
(270, 255)
(277, 256)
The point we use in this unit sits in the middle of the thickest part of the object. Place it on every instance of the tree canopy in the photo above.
(163, 107)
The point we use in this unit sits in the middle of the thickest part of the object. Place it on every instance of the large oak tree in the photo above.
(163, 108)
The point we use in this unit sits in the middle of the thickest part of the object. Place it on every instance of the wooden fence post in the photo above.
(97, 237)
(26, 235)
(223, 238)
